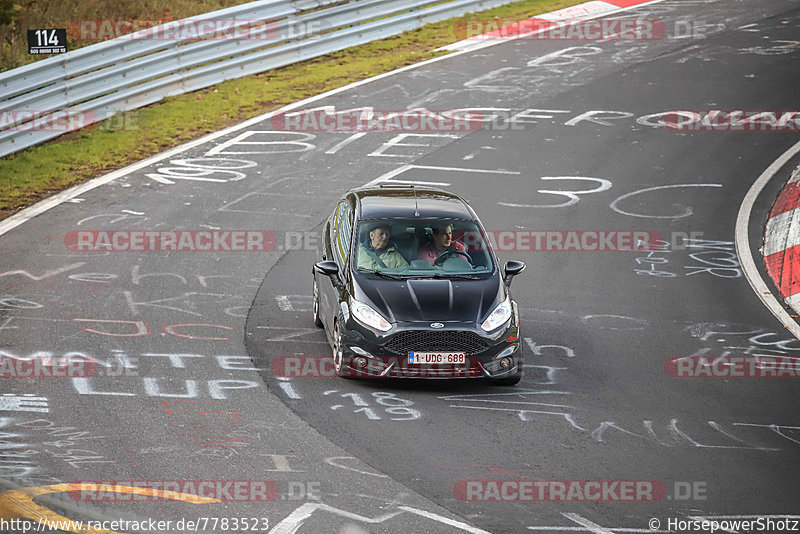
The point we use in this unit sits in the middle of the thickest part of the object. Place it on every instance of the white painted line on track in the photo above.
(742, 239)
(65, 196)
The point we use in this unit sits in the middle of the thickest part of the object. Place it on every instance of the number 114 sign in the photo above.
(51, 41)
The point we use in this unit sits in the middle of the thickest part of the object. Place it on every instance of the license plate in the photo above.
(437, 357)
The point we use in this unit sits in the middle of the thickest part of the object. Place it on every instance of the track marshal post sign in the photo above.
(48, 41)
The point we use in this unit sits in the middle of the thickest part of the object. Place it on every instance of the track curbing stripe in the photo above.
(782, 241)
(742, 239)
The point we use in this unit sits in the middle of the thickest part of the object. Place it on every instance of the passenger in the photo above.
(442, 241)
(380, 253)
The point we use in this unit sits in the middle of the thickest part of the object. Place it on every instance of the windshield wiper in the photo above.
(384, 275)
(445, 276)
(459, 276)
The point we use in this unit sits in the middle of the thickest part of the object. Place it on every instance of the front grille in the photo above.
(430, 341)
(432, 371)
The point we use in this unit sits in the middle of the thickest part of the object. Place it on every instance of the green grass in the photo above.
(34, 173)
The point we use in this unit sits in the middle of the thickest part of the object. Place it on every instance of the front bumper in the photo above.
(386, 355)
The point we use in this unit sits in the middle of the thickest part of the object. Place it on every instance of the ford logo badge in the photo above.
(437, 325)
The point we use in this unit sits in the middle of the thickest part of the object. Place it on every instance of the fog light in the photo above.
(360, 361)
(498, 365)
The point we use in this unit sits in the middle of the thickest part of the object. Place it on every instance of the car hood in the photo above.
(430, 300)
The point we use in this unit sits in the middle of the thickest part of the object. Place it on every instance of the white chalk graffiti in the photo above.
(294, 521)
(719, 261)
(532, 404)
(216, 170)
(758, 341)
(390, 402)
(571, 195)
(26, 444)
(14, 303)
(118, 362)
(156, 387)
(340, 461)
(686, 210)
(294, 303)
(566, 56)
(264, 142)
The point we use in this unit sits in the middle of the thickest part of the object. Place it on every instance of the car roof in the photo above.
(405, 201)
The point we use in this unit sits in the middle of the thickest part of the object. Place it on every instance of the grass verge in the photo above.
(34, 173)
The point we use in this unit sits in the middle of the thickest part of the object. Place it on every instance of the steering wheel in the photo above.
(452, 252)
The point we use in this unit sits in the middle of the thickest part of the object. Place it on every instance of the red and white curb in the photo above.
(546, 21)
(782, 242)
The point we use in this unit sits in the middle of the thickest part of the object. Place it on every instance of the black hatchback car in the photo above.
(406, 285)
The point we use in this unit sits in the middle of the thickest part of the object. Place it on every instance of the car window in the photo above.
(334, 218)
(423, 247)
(343, 233)
(330, 231)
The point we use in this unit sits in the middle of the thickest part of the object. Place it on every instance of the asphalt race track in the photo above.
(189, 343)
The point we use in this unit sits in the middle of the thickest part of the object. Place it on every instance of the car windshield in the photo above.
(428, 248)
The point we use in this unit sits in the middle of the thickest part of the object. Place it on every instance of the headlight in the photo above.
(369, 317)
(498, 317)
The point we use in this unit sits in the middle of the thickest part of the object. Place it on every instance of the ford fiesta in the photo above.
(406, 285)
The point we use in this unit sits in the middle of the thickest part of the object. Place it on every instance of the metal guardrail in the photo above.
(95, 82)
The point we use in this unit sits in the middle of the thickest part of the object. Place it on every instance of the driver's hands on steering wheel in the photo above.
(452, 252)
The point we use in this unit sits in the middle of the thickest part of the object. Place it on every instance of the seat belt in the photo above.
(374, 256)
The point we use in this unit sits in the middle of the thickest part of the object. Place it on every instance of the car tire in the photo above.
(338, 357)
(317, 318)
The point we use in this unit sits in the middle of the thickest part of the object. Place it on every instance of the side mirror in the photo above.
(331, 269)
(328, 268)
(512, 268)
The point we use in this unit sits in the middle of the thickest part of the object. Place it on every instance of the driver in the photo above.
(442, 242)
(379, 253)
